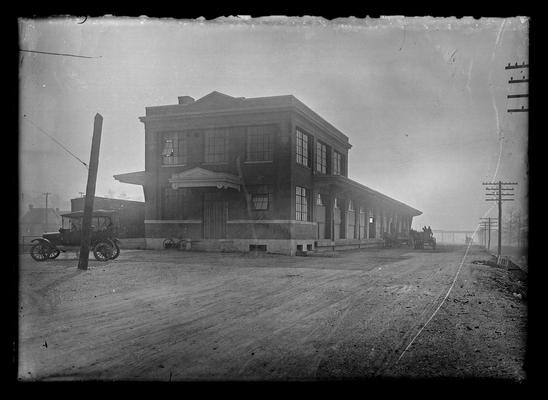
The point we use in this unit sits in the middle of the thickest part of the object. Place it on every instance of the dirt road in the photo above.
(174, 315)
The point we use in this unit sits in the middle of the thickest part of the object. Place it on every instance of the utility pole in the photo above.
(46, 194)
(523, 79)
(499, 192)
(487, 224)
(90, 191)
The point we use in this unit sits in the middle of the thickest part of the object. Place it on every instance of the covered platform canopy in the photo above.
(134, 178)
(342, 185)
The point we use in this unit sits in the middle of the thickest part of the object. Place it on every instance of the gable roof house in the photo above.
(38, 220)
(237, 174)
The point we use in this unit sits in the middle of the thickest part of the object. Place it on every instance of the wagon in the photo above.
(421, 239)
(396, 239)
(103, 241)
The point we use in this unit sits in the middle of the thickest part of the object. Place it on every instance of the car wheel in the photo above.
(40, 252)
(54, 254)
(116, 251)
(103, 251)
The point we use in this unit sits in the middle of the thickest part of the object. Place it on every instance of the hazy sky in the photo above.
(422, 100)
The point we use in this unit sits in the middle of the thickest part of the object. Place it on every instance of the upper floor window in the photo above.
(350, 205)
(259, 143)
(321, 157)
(302, 148)
(301, 204)
(337, 163)
(174, 148)
(216, 146)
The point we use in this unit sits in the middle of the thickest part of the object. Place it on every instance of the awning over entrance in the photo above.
(134, 178)
(200, 177)
(342, 184)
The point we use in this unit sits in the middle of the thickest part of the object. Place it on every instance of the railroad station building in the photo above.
(265, 173)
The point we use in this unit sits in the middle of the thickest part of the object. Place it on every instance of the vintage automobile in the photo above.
(103, 241)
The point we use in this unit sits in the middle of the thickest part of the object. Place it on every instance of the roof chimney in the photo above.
(184, 100)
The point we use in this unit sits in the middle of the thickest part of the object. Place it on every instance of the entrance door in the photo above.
(214, 219)
(320, 219)
(337, 223)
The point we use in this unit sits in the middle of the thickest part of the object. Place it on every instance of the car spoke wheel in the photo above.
(116, 251)
(103, 251)
(40, 252)
(54, 254)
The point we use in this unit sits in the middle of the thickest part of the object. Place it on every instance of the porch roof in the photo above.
(200, 177)
(134, 178)
(343, 183)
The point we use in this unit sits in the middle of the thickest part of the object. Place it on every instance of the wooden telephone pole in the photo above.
(499, 193)
(90, 191)
(488, 224)
(46, 215)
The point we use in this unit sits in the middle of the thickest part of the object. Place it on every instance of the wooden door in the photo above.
(337, 222)
(214, 219)
(320, 219)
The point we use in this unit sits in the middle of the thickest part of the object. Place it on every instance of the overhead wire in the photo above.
(55, 140)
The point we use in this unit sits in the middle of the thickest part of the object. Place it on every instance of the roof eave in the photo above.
(344, 180)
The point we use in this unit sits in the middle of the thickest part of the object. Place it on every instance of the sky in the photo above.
(422, 100)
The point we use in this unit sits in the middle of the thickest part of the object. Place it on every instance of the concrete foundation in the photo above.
(275, 246)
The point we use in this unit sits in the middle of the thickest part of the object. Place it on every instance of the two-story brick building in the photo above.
(235, 174)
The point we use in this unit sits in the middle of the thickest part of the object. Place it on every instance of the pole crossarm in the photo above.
(517, 66)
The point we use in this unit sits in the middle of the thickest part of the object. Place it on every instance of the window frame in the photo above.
(304, 154)
(321, 155)
(208, 133)
(260, 190)
(268, 148)
(337, 163)
(300, 194)
(254, 205)
(179, 147)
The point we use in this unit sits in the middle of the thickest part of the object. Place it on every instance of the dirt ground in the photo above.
(173, 315)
